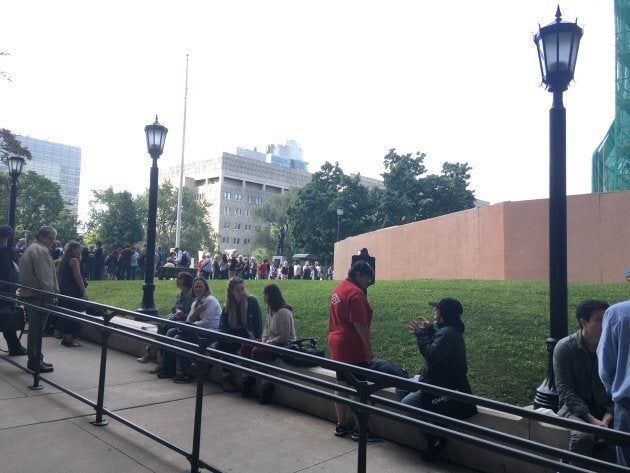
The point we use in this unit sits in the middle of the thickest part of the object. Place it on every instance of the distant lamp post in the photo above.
(339, 214)
(557, 45)
(156, 136)
(15, 164)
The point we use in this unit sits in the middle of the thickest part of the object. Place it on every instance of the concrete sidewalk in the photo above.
(50, 431)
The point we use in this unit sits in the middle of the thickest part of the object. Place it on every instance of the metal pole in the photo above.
(99, 421)
(546, 395)
(148, 304)
(338, 226)
(178, 225)
(12, 205)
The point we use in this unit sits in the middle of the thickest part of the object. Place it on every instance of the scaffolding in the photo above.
(611, 159)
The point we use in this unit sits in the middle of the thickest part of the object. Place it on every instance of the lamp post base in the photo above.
(546, 397)
(148, 306)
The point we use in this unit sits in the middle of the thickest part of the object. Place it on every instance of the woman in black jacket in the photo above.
(444, 351)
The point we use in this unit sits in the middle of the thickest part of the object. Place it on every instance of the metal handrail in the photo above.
(203, 354)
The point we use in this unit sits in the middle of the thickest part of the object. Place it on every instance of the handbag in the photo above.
(304, 345)
(12, 317)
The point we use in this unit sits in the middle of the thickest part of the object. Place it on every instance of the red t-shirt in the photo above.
(348, 304)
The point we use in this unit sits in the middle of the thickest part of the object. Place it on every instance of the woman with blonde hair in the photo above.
(240, 317)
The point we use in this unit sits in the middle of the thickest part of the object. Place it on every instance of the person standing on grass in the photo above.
(582, 395)
(613, 355)
(350, 317)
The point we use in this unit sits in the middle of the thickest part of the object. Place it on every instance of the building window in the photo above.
(226, 224)
(227, 195)
(198, 197)
(246, 241)
(238, 196)
(226, 210)
(259, 200)
(250, 199)
(225, 240)
(237, 226)
(238, 211)
(248, 227)
(248, 213)
(236, 241)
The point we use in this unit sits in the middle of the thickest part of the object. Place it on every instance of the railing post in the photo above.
(201, 370)
(99, 421)
(362, 416)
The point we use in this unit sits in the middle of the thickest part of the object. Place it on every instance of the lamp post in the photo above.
(557, 45)
(15, 164)
(339, 214)
(156, 136)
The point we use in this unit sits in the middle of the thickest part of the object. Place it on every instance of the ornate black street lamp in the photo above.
(15, 164)
(339, 214)
(156, 136)
(557, 45)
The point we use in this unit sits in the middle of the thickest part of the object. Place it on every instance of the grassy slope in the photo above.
(507, 322)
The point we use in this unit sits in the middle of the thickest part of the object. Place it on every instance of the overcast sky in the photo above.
(347, 79)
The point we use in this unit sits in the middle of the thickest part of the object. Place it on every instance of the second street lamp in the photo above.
(15, 164)
(557, 45)
(156, 136)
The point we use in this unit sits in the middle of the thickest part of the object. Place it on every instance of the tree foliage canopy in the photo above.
(115, 218)
(195, 232)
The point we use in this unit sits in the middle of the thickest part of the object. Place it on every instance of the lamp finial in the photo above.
(558, 14)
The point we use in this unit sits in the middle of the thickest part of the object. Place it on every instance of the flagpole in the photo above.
(178, 227)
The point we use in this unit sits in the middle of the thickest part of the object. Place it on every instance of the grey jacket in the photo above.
(577, 379)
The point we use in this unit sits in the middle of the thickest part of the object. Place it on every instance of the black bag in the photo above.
(307, 346)
(12, 317)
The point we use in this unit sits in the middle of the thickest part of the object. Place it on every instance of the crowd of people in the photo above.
(591, 366)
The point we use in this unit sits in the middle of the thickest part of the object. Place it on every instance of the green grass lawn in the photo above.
(507, 322)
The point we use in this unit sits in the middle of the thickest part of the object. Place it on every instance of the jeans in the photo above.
(622, 423)
(583, 443)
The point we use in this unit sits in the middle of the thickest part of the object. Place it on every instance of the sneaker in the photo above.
(370, 437)
(182, 379)
(342, 430)
(165, 374)
(146, 358)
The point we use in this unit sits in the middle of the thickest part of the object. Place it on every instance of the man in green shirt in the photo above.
(582, 395)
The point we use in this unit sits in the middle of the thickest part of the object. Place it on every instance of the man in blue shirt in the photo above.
(613, 353)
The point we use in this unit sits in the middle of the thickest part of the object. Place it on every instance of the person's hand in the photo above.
(419, 323)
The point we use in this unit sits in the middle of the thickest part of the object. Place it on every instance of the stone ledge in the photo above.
(457, 452)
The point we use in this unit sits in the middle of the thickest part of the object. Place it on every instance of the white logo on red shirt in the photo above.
(334, 299)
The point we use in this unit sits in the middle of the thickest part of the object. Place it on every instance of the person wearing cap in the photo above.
(350, 318)
(9, 273)
(444, 351)
(38, 272)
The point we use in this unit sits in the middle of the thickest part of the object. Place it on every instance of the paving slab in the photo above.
(238, 435)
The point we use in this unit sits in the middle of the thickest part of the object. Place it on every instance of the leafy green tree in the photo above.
(115, 218)
(314, 212)
(274, 213)
(410, 196)
(195, 233)
(9, 144)
(66, 226)
(38, 201)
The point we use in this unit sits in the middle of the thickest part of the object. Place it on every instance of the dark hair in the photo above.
(587, 308)
(362, 267)
(67, 256)
(205, 283)
(274, 298)
(185, 278)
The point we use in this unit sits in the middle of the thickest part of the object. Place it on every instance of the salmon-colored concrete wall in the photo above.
(503, 241)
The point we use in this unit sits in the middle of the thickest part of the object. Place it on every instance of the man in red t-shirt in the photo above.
(350, 317)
